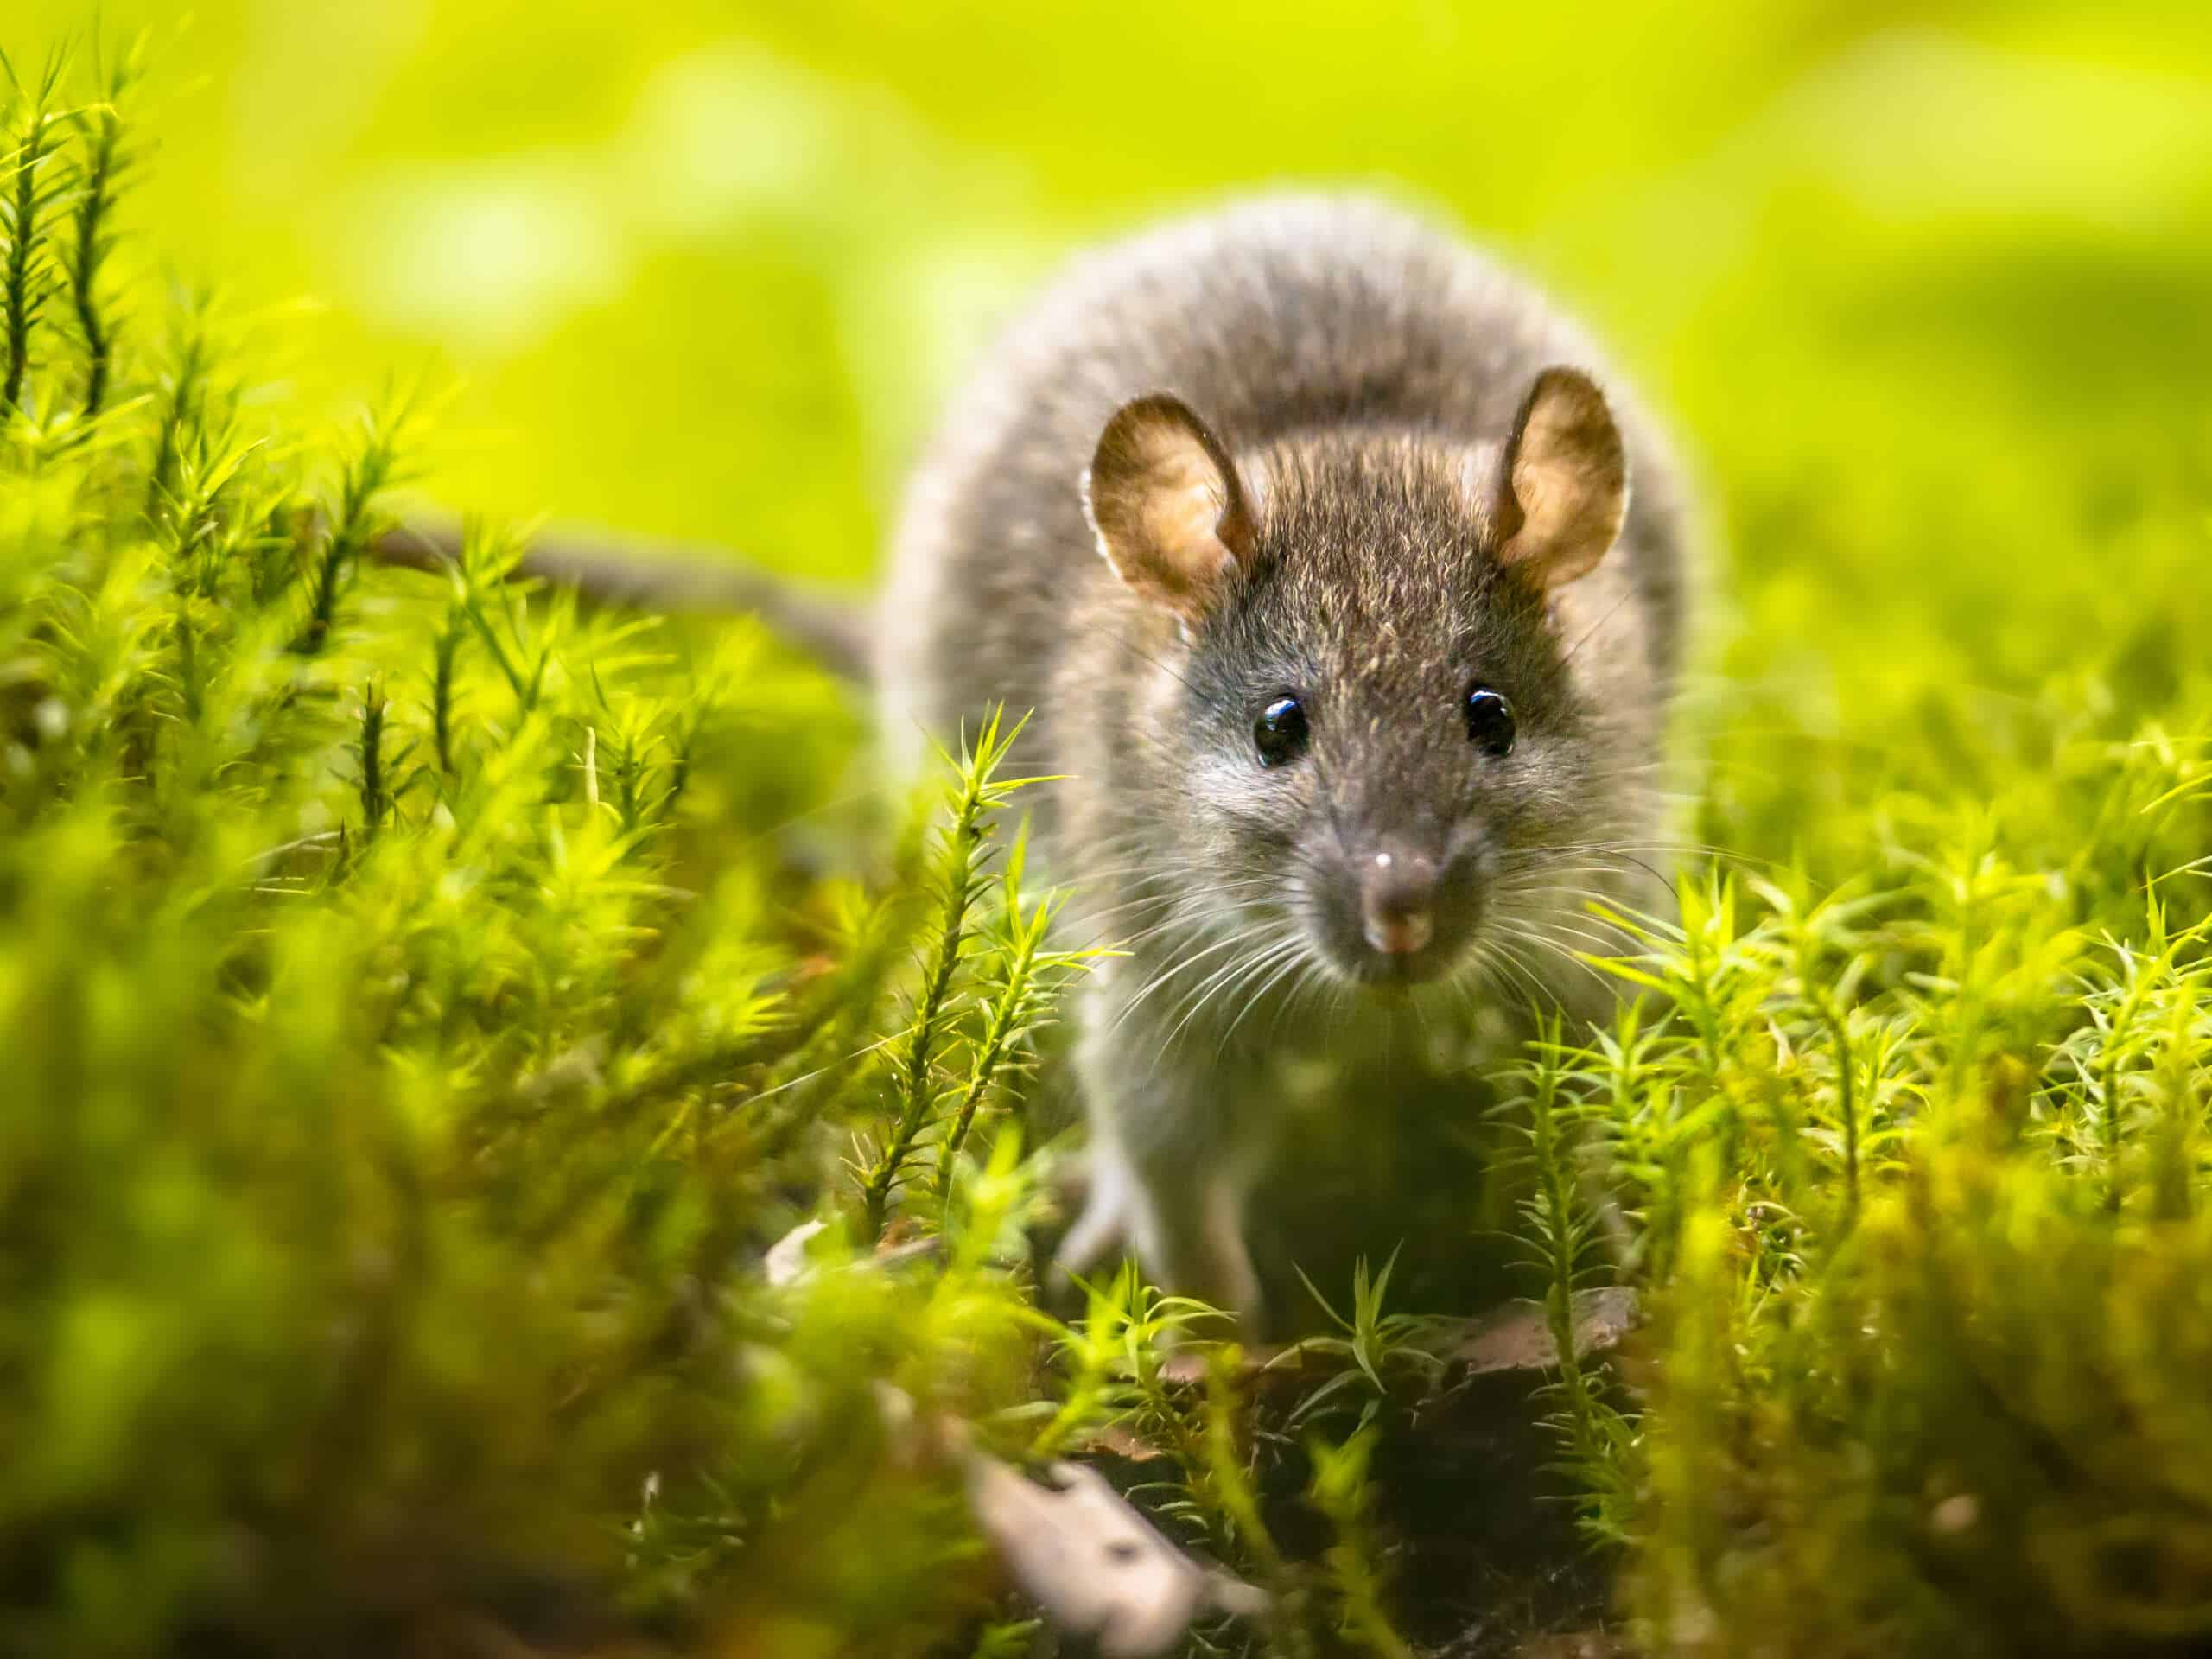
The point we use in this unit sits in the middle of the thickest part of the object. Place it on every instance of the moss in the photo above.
(404, 981)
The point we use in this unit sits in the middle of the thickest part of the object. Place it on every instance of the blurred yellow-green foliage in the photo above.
(705, 269)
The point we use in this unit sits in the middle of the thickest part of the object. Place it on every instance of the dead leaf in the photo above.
(1519, 1338)
(1095, 1568)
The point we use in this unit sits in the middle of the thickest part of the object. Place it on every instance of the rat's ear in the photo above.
(1163, 496)
(1562, 490)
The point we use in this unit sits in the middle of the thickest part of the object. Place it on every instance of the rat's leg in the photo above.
(1187, 1226)
(1169, 1178)
(1103, 1226)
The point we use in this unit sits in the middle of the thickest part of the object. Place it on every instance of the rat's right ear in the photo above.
(1163, 496)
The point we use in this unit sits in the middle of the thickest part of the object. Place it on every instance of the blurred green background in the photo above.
(1919, 286)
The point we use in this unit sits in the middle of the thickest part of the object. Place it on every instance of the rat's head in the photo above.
(1366, 704)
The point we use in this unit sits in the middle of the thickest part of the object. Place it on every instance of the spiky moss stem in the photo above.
(1560, 1236)
(373, 468)
(1339, 1490)
(915, 1082)
(1233, 1494)
(1004, 1023)
(94, 203)
(375, 789)
(186, 396)
(1846, 1104)
(447, 655)
(2112, 1084)
(26, 202)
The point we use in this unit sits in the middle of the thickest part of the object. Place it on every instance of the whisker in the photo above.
(1293, 961)
(1180, 966)
(1237, 972)
(1539, 941)
(1523, 974)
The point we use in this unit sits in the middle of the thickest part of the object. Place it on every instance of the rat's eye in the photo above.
(1281, 732)
(1490, 720)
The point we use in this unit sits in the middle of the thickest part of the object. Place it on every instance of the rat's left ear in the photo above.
(1561, 494)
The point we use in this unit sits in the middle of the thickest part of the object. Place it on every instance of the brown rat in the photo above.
(1365, 699)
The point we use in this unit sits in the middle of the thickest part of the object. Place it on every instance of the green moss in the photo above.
(1921, 1182)
(419, 1020)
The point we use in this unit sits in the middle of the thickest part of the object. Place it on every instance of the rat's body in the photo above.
(1368, 690)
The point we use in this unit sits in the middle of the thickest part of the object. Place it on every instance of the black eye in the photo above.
(1280, 731)
(1490, 720)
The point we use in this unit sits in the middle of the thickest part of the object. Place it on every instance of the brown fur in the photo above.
(1348, 477)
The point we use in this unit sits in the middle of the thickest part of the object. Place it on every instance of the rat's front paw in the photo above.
(1104, 1226)
(1187, 1235)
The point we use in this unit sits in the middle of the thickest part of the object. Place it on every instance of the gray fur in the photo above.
(1361, 367)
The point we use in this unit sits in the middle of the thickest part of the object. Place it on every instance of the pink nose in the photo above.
(1395, 896)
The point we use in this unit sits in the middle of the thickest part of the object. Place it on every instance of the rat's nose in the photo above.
(1397, 896)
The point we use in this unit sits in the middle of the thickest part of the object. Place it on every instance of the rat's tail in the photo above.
(831, 626)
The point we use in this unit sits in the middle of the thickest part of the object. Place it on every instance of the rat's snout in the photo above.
(1397, 901)
(1396, 913)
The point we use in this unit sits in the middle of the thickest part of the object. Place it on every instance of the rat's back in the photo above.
(1275, 315)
